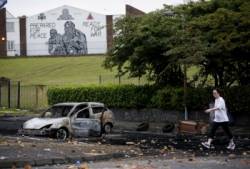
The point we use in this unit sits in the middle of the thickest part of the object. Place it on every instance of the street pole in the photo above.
(171, 14)
(185, 71)
(185, 91)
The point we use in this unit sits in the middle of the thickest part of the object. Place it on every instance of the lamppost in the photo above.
(185, 68)
(171, 14)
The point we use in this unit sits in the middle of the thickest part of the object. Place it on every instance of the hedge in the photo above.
(132, 96)
(126, 96)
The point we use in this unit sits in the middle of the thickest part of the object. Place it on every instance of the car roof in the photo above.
(78, 103)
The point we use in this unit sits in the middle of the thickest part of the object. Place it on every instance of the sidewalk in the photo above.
(43, 151)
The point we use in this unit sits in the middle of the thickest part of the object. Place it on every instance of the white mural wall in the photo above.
(66, 31)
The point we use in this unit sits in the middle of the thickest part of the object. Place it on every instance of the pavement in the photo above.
(160, 162)
(36, 151)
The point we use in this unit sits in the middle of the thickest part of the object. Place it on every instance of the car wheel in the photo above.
(61, 134)
(107, 128)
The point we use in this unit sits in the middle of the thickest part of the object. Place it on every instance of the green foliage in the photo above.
(237, 99)
(223, 28)
(132, 96)
(169, 98)
(213, 35)
(139, 48)
(61, 71)
(113, 96)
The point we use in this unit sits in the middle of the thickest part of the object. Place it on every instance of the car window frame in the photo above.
(103, 109)
(76, 114)
(63, 111)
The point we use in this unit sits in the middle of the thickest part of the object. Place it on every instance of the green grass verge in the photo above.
(17, 112)
(63, 71)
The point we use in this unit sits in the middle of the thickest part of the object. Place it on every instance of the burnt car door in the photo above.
(83, 125)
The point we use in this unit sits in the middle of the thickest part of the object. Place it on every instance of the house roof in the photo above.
(69, 7)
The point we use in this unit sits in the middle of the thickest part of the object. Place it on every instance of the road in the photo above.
(159, 162)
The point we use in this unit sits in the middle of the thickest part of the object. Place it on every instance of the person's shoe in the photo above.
(206, 144)
(231, 145)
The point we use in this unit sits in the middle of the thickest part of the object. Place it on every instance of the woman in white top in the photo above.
(220, 119)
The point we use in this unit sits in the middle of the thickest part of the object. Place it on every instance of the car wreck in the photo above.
(65, 120)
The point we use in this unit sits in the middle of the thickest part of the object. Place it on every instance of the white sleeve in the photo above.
(220, 104)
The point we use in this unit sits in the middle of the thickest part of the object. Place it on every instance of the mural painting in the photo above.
(95, 28)
(65, 15)
(72, 42)
(36, 30)
(66, 31)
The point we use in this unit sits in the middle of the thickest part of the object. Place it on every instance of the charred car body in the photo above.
(71, 119)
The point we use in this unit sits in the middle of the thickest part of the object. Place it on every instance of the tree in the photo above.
(223, 26)
(139, 48)
(213, 35)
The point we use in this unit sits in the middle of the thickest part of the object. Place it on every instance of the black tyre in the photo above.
(62, 134)
(143, 126)
(107, 128)
(168, 127)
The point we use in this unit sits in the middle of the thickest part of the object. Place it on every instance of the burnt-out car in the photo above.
(71, 119)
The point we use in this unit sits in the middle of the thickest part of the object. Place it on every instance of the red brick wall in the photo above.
(109, 20)
(3, 37)
(23, 39)
(131, 11)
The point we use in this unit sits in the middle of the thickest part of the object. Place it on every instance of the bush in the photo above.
(113, 96)
(237, 99)
(168, 98)
(132, 96)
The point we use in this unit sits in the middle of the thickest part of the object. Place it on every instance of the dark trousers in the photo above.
(216, 125)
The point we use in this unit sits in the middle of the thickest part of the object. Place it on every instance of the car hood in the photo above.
(38, 123)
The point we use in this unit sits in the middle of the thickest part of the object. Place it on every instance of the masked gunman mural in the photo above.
(72, 42)
(66, 31)
(56, 46)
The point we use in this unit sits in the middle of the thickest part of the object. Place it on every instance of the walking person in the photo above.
(220, 119)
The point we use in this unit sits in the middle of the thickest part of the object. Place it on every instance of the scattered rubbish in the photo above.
(133, 151)
(78, 163)
(245, 161)
(27, 166)
(190, 159)
(72, 167)
(84, 166)
(93, 150)
(126, 156)
(188, 127)
(20, 143)
(232, 156)
(2, 157)
(130, 143)
(153, 141)
(47, 149)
